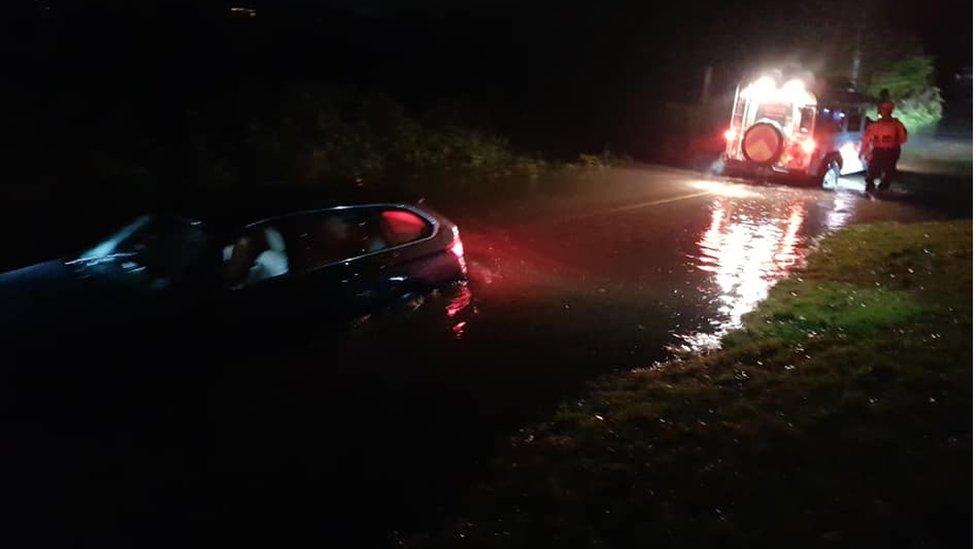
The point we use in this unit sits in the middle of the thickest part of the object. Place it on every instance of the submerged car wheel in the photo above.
(829, 174)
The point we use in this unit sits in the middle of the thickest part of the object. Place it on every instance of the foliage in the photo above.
(602, 161)
(904, 78)
(320, 136)
(118, 156)
(920, 111)
(837, 416)
(333, 138)
(918, 103)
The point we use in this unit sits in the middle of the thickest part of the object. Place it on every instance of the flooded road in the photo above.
(364, 436)
(675, 272)
(557, 297)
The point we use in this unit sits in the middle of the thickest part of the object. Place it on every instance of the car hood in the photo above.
(38, 293)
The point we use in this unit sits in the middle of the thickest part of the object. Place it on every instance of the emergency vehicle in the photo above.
(787, 130)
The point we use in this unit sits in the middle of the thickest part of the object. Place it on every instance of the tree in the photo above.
(909, 81)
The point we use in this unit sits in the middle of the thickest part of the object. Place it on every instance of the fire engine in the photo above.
(788, 130)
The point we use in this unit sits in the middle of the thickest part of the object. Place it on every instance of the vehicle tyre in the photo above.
(718, 167)
(829, 174)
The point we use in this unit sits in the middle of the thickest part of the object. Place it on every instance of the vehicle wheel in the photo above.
(717, 168)
(830, 175)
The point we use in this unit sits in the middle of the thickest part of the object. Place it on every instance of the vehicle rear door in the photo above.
(364, 251)
(418, 258)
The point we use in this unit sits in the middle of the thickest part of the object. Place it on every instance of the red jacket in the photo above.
(885, 133)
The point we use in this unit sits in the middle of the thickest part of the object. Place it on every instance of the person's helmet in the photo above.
(886, 108)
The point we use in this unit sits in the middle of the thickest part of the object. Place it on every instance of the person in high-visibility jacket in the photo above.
(881, 146)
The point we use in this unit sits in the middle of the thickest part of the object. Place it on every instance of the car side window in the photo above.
(331, 236)
(831, 119)
(259, 253)
(342, 234)
(807, 116)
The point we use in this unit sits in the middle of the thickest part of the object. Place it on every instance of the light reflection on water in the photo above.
(744, 242)
(458, 304)
(746, 252)
(841, 211)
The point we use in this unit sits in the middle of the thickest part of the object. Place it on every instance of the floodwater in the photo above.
(554, 302)
(358, 438)
(675, 274)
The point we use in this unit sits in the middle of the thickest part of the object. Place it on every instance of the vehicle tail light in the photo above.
(729, 134)
(809, 145)
(456, 247)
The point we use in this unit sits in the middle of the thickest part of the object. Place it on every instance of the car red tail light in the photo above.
(457, 248)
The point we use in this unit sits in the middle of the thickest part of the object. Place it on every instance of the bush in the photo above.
(920, 111)
(335, 138)
(918, 103)
(113, 158)
(604, 160)
(319, 136)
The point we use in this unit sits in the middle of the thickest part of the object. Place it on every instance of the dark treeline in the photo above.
(554, 78)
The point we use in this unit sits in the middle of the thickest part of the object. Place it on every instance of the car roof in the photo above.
(234, 209)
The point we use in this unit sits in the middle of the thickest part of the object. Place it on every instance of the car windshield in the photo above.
(778, 112)
(156, 250)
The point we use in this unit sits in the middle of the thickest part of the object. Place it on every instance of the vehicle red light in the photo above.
(729, 134)
(809, 145)
(457, 248)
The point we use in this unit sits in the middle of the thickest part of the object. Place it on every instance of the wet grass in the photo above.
(840, 415)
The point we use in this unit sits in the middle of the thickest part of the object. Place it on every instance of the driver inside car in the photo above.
(256, 256)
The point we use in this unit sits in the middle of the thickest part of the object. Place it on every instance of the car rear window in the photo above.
(775, 111)
(401, 226)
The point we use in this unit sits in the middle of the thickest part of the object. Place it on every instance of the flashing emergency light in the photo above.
(793, 92)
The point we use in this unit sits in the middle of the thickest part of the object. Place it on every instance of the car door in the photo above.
(361, 252)
(261, 278)
(333, 265)
(329, 247)
(410, 261)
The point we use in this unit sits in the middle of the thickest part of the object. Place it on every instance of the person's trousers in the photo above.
(882, 164)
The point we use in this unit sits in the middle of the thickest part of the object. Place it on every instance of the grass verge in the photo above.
(839, 415)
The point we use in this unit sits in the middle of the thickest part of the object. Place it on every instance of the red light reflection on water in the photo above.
(459, 303)
(745, 252)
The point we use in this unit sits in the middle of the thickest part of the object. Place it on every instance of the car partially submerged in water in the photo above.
(260, 268)
(789, 131)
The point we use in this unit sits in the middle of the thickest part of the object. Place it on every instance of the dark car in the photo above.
(214, 274)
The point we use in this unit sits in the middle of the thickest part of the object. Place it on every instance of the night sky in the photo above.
(559, 76)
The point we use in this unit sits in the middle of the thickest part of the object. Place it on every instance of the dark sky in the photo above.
(545, 67)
